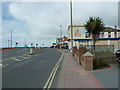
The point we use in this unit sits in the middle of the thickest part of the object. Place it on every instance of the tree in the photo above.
(94, 26)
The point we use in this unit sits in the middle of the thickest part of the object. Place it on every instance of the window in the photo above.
(87, 35)
(115, 34)
(102, 34)
(109, 34)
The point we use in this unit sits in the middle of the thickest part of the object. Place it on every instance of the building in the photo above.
(62, 42)
(110, 36)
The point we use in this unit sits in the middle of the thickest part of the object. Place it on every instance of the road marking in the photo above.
(15, 59)
(6, 59)
(36, 54)
(27, 57)
(0, 65)
(3, 65)
(53, 73)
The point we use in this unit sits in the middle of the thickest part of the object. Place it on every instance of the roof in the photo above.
(88, 54)
(109, 29)
(76, 25)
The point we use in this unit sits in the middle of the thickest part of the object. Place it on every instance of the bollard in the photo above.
(31, 50)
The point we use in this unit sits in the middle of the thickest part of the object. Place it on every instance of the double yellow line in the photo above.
(53, 73)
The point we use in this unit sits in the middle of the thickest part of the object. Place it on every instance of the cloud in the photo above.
(5, 11)
(0, 24)
(108, 11)
(40, 22)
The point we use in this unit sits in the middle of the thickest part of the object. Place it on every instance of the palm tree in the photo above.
(94, 26)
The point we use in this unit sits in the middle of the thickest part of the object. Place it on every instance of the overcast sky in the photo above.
(39, 22)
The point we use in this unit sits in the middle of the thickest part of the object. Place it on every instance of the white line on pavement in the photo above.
(15, 59)
(5, 59)
(27, 57)
(3, 65)
(53, 73)
(0, 65)
(36, 55)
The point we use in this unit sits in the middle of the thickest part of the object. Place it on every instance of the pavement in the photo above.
(72, 75)
(109, 77)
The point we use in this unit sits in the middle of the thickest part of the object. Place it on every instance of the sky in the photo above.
(39, 22)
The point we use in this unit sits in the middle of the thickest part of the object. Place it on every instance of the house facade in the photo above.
(62, 42)
(109, 36)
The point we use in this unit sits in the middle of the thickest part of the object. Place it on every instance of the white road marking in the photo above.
(3, 65)
(25, 54)
(27, 57)
(53, 73)
(0, 65)
(36, 55)
(5, 59)
(15, 59)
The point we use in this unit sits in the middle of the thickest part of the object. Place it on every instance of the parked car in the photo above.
(118, 55)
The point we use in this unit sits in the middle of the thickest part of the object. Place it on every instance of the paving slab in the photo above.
(72, 75)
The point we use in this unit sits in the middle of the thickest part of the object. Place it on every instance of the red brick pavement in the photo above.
(72, 75)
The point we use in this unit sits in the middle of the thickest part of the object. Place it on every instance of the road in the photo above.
(21, 70)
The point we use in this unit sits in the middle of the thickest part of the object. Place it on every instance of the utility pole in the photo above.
(61, 35)
(71, 26)
(8, 43)
(11, 38)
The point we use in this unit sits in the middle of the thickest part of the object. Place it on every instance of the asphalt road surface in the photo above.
(20, 70)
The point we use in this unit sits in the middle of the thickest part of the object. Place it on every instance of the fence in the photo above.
(100, 48)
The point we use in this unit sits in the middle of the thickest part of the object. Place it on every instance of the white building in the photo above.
(110, 36)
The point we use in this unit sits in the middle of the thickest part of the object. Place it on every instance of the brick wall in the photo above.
(85, 61)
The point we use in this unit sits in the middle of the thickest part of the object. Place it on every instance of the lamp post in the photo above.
(61, 35)
(71, 26)
(8, 43)
(11, 38)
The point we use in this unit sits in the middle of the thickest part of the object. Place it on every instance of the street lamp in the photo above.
(8, 43)
(61, 35)
(11, 38)
(71, 26)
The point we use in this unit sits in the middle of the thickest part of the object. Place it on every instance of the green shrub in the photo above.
(103, 63)
(99, 63)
